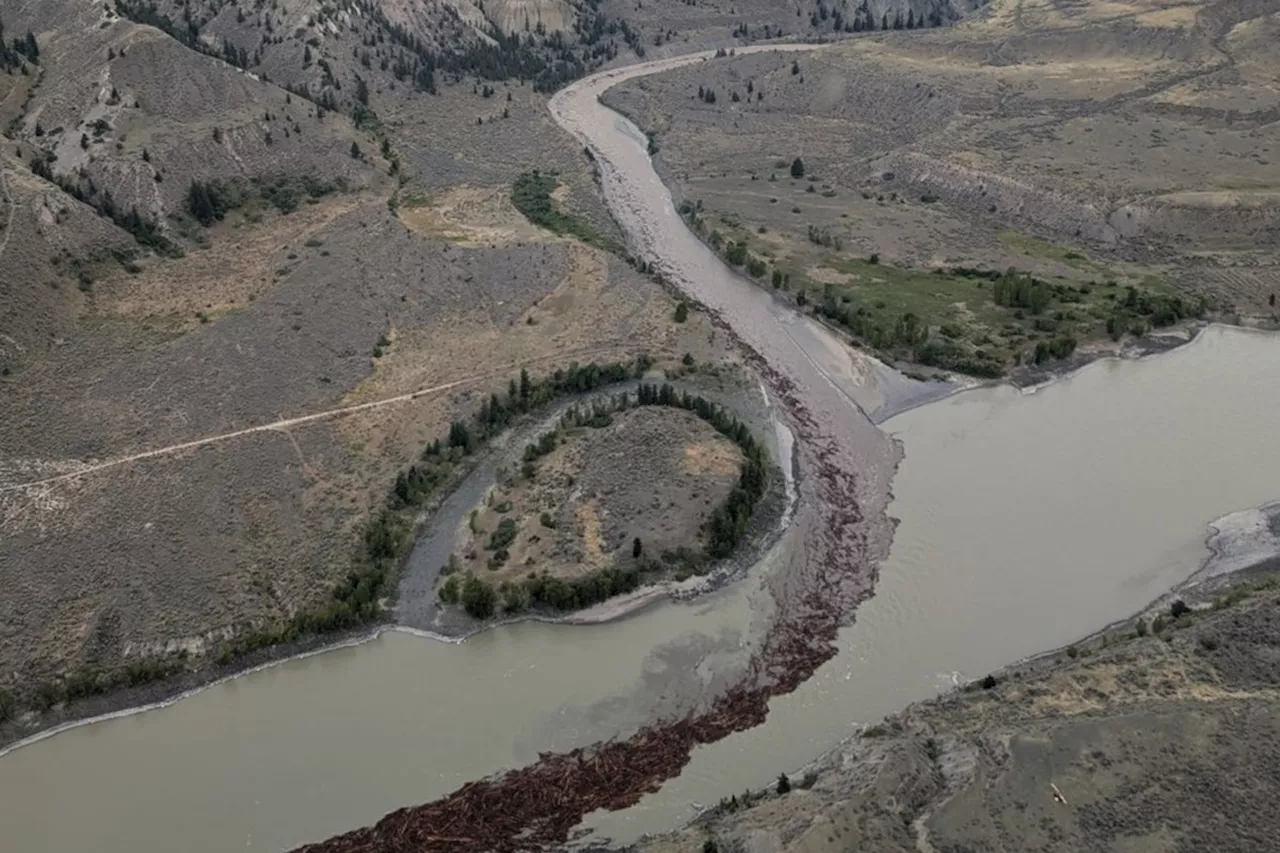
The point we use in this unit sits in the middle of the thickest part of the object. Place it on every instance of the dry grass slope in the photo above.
(1138, 134)
(1153, 743)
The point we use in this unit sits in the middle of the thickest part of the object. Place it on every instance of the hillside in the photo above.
(1156, 735)
(1124, 146)
(191, 252)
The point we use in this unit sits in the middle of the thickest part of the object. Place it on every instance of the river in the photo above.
(1026, 520)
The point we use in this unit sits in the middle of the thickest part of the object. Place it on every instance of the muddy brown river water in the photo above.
(1026, 521)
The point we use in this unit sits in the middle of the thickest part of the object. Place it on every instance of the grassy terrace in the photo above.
(976, 321)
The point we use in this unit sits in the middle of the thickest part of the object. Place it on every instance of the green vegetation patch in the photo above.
(531, 195)
(981, 322)
(1034, 247)
(967, 320)
(211, 201)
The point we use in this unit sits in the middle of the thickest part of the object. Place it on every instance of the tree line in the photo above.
(209, 201)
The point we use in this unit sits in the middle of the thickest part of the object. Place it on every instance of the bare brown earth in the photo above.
(1132, 140)
(655, 474)
(1155, 740)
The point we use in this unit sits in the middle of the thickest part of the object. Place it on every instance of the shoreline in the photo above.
(778, 508)
(1196, 589)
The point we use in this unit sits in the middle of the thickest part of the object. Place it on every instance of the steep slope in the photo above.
(126, 117)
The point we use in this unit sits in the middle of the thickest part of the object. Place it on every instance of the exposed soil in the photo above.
(654, 474)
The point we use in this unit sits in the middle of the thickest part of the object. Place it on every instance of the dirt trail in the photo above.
(284, 423)
(13, 208)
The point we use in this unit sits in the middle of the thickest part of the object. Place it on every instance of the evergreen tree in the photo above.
(478, 598)
(797, 168)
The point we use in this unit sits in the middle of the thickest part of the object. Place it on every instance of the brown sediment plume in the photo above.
(537, 806)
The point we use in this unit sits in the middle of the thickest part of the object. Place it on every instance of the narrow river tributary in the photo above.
(1026, 521)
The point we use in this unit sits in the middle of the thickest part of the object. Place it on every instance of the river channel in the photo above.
(1026, 520)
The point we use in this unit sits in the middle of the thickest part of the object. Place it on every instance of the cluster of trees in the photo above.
(531, 195)
(209, 201)
(862, 19)
(91, 680)
(1142, 307)
(415, 485)
(908, 334)
(16, 53)
(734, 252)
(824, 237)
(947, 354)
(548, 60)
(1057, 348)
(144, 12)
(1015, 289)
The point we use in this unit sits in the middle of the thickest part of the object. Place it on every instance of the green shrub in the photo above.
(504, 535)
(478, 598)
(449, 590)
